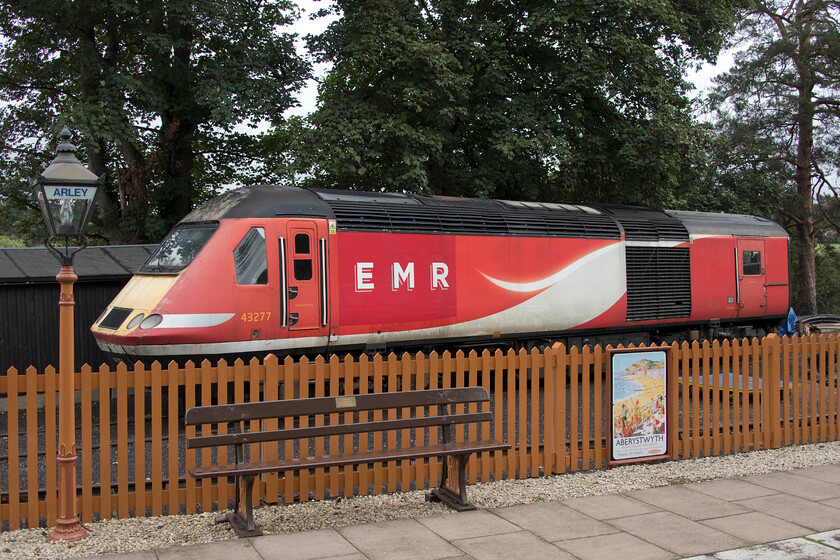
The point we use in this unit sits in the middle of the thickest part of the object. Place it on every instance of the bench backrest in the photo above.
(443, 399)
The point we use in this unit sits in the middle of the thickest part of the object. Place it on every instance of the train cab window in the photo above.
(179, 248)
(752, 263)
(303, 258)
(250, 260)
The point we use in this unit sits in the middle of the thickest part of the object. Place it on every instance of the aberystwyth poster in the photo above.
(639, 404)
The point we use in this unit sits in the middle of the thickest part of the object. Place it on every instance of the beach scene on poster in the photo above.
(639, 405)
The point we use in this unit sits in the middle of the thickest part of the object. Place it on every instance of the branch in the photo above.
(793, 218)
(781, 21)
(822, 176)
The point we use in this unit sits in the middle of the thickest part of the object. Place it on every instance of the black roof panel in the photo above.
(261, 201)
(37, 264)
(727, 224)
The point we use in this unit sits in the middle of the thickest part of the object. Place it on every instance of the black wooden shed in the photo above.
(29, 297)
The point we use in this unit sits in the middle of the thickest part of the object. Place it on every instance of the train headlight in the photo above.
(136, 321)
(151, 321)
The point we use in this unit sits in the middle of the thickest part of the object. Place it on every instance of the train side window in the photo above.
(303, 269)
(302, 266)
(250, 260)
(752, 263)
(302, 244)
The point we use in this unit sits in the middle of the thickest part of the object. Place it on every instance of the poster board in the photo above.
(639, 398)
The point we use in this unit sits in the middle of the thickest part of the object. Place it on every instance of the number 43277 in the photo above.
(256, 317)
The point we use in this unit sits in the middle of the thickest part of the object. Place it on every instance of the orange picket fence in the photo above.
(553, 406)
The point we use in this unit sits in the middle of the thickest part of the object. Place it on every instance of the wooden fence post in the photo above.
(673, 412)
(561, 357)
(773, 389)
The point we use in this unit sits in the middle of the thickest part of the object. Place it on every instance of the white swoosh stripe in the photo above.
(654, 243)
(525, 287)
(193, 320)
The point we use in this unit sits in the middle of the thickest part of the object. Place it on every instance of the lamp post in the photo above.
(66, 192)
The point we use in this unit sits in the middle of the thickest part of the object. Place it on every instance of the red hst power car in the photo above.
(288, 270)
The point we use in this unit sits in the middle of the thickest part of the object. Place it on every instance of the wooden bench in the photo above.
(430, 409)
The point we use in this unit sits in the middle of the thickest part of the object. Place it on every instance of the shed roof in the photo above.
(37, 264)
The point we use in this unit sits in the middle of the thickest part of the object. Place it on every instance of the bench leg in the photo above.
(242, 518)
(453, 484)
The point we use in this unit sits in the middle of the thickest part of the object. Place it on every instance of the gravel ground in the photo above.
(128, 535)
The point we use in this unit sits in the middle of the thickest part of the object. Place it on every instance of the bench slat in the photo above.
(199, 442)
(436, 450)
(330, 405)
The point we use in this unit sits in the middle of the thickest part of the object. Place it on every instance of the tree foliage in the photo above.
(778, 111)
(526, 99)
(154, 90)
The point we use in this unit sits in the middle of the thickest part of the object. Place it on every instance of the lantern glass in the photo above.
(67, 208)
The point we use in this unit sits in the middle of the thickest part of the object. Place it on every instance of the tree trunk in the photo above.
(807, 294)
(805, 127)
(178, 127)
(176, 196)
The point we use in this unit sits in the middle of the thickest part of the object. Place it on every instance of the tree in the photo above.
(784, 93)
(740, 174)
(6, 241)
(153, 89)
(527, 99)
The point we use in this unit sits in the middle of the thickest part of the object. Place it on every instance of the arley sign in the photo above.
(79, 193)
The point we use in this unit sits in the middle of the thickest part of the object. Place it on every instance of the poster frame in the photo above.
(670, 393)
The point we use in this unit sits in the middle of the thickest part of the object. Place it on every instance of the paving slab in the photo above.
(815, 516)
(616, 545)
(609, 506)
(468, 524)
(554, 521)
(239, 549)
(520, 544)
(800, 549)
(755, 527)
(307, 545)
(732, 489)
(395, 540)
(357, 556)
(140, 555)
(826, 473)
(798, 485)
(677, 534)
(688, 503)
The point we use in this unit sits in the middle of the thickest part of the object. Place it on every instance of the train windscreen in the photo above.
(179, 248)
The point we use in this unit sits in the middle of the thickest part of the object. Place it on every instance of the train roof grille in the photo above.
(644, 224)
(646, 230)
(365, 197)
(484, 218)
(471, 221)
(549, 206)
(356, 216)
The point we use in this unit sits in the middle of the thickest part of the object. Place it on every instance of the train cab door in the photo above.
(752, 278)
(303, 252)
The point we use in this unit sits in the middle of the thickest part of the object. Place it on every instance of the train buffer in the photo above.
(314, 422)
